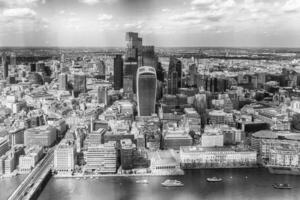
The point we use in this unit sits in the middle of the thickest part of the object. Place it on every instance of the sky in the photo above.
(103, 23)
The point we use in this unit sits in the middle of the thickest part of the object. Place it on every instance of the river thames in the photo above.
(238, 184)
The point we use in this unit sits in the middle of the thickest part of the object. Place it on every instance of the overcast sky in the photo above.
(160, 22)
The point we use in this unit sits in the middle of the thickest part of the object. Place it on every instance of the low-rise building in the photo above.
(193, 157)
(41, 135)
(101, 158)
(65, 157)
(175, 137)
(28, 161)
(212, 137)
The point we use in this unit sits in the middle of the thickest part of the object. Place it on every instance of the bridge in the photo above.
(33, 182)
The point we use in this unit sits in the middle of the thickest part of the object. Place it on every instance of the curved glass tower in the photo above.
(146, 90)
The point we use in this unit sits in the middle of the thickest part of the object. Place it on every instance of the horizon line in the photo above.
(123, 47)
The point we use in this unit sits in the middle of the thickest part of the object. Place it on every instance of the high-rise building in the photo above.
(100, 69)
(63, 81)
(102, 95)
(149, 57)
(5, 65)
(172, 82)
(174, 75)
(132, 57)
(160, 72)
(118, 72)
(32, 67)
(13, 59)
(146, 90)
(40, 67)
(130, 69)
(79, 85)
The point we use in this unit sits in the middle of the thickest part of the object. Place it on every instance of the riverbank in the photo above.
(85, 176)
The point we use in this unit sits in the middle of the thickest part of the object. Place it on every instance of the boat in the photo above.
(172, 183)
(143, 181)
(282, 186)
(214, 179)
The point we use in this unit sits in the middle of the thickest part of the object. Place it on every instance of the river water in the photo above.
(8, 185)
(238, 184)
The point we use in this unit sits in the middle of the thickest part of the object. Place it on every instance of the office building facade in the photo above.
(118, 72)
(146, 90)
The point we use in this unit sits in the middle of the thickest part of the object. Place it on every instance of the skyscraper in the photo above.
(63, 81)
(79, 85)
(100, 69)
(13, 60)
(146, 90)
(149, 57)
(102, 95)
(174, 75)
(133, 53)
(118, 72)
(172, 82)
(5, 65)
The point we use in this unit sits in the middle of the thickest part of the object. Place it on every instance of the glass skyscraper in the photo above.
(146, 90)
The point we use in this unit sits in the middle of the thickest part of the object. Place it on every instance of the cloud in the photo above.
(104, 17)
(19, 13)
(89, 2)
(20, 3)
(134, 25)
(165, 10)
(203, 3)
(291, 6)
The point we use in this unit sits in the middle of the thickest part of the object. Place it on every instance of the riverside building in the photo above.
(101, 158)
(65, 157)
(193, 157)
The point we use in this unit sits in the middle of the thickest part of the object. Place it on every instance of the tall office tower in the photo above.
(160, 72)
(128, 84)
(173, 82)
(200, 104)
(102, 95)
(63, 81)
(149, 57)
(32, 67)
(5, 65)
(192, 75)
(133, 53)
(146, 90)
(118, 72)
(13, 59)
(62, 60)
(3, 58)
(40, 67)
(174, 75)
(100, 69)
(79, 84)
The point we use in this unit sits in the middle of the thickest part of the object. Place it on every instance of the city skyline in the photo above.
(233, 23)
